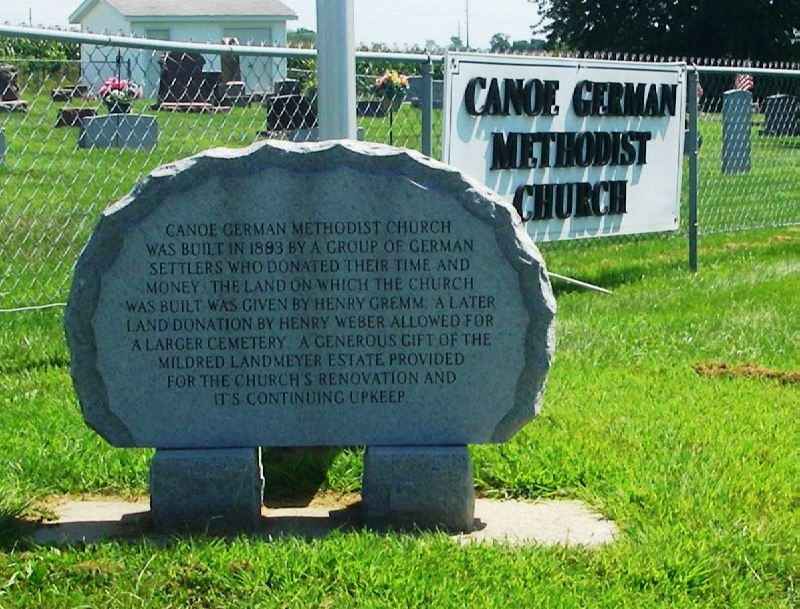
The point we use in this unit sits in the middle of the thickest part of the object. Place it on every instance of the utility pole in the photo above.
(467, 24)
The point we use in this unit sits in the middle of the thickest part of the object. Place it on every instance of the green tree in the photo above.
(500, 43)
(27, 48)
(758, 29)
(456, 44)
(302, 37)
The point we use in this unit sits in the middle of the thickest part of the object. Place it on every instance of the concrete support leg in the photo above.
(429, 487)
(219, 490)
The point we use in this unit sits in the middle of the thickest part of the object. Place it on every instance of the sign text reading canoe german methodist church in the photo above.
(581, 148)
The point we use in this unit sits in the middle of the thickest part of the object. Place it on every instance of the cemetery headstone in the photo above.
(72, 117)
(209, 87)
(288, 87)
(737, 121)
(65, 94)
(781, 116)
(9, 90)
(310, 295)
(231, 65)
(415, 92)
(133, 131)
(290, 112)
(181, 77)
(233, 93)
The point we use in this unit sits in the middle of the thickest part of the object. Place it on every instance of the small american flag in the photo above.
(744, 82)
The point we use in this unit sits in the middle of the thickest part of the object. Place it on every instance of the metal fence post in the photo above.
(336, 70)
(694, 161)
(427, 107)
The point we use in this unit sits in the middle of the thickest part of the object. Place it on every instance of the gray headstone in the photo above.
(206, 489)
(286, 294)
(415, 92)
(426, 486)
(781, 115)
(136, 131)
(737, 121)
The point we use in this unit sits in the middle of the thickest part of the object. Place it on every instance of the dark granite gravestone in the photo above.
(290, 112)
(782, 116)
(288, 87)
(181, 78)
(72, 117)
(65, 94)
(233, 93)
(9, 90)
(415, 92)
(310, 295)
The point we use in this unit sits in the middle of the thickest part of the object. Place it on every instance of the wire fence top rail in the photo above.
(132, 42)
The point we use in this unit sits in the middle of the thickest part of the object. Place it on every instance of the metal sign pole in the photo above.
(693, 167)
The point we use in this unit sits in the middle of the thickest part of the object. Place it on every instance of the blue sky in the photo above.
(391, 21)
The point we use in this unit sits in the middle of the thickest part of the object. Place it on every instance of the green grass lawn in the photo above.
(701, 474)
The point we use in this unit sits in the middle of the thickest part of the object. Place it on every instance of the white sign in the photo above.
(582, 148)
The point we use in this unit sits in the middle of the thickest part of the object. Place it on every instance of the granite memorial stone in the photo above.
(9, 90)
(313, 295)
(737, 121)
(133, 131)
(781, 116)
(73, 117)
(181, 78)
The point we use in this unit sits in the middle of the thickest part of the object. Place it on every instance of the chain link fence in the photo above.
(749, 148)
(68, 151)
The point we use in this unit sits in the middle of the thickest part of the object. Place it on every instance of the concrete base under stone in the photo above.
(429, 487)
(206, 489)
(561, 523)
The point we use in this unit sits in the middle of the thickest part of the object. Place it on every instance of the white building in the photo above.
(249, 21)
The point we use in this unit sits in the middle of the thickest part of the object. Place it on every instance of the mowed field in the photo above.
(700, 471)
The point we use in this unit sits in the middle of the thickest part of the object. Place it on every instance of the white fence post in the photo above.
(336, 70)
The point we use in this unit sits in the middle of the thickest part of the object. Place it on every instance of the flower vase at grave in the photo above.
(118, 108)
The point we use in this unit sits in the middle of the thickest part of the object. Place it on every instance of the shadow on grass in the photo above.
(54, 361)
(136, 527)
(13, 528)
(617, 277)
